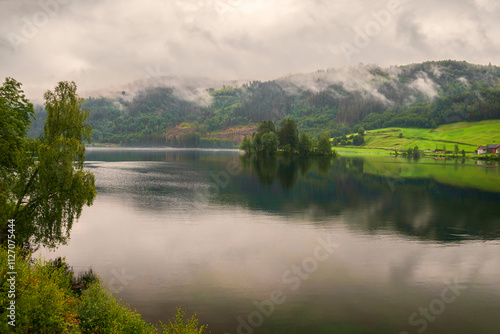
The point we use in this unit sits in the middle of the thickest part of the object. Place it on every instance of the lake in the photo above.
(289, 245)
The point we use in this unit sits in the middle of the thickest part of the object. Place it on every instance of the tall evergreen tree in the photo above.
(272, 143)
(305, 144)
(288, 135)
(246, 145)
(266, 127)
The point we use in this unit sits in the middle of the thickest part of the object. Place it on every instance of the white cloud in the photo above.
(424, 84)
(107, 43)
(489, 5)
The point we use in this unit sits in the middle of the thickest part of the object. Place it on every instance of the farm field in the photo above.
(467, 135)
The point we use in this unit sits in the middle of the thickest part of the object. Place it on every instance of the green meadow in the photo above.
(467, 135)
(357, 150)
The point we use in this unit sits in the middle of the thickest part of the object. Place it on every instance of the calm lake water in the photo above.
(351, 245)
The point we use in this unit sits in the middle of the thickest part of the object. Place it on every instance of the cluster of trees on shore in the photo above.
(268, 140)
(411, 153)
(354, 139)
(415, 153)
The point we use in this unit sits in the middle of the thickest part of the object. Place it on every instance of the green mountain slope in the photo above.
(422, 95)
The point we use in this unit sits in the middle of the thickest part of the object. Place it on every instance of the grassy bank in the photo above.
(49, 298)
(356, 150)
(466, 135)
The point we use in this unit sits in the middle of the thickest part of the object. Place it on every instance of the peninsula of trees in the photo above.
(268, 140)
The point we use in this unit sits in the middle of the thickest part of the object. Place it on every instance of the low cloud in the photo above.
(110, 43)
(424, 85)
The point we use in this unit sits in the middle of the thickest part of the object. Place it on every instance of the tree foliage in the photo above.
(358, 140)
(324, 145)
(268, 143)
(49, 186)
(15, 113)
(288, 135)
(181, 325)
(266, 127)
(305, 144)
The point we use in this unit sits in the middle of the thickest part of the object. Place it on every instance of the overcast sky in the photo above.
(109, 43)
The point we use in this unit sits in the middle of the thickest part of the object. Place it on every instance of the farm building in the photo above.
(490, 148)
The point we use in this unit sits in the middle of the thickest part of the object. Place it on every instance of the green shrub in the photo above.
(181, 326)
(100, 312)
(50, 299)
(44, 300)
(80, 282)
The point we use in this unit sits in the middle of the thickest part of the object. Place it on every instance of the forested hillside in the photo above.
(338, 102)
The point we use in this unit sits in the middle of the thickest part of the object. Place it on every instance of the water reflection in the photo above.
(418, 207)
(376, 197)
(285, 169)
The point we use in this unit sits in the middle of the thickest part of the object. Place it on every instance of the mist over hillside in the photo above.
(337, 101)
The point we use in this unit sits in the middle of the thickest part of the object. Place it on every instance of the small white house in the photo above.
(481, 150)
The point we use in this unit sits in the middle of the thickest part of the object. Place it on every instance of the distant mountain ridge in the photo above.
(422, 95)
